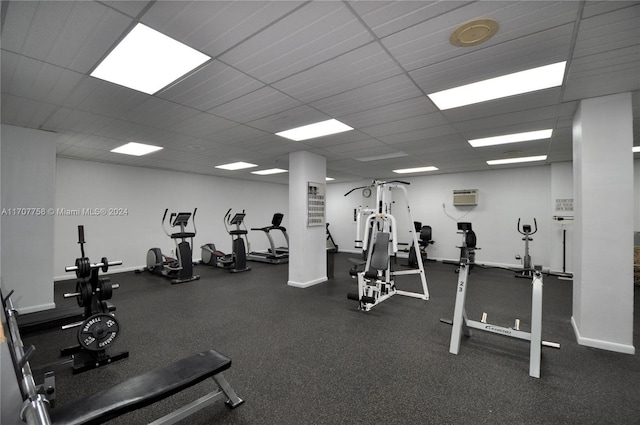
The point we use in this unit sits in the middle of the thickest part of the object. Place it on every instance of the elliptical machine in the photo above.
(236, 261)
(181, 269)
(527, 267)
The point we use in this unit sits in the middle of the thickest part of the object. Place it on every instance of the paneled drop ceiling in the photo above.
(280, 64)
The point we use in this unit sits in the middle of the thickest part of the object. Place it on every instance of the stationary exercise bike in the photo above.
(236, 261)
(180, 269)
(424, 240)
(527, 267)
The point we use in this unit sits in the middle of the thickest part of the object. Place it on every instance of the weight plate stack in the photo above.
(98, 332)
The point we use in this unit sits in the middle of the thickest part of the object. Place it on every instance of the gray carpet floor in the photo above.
(309, 356)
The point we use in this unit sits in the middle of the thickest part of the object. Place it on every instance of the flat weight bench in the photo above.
(150, 387)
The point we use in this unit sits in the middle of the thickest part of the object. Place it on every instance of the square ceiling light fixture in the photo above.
(236, 166)
(511, 138)
(136, 149)
(311, 131)
(147, 60)
(517, 160)
(381, 157)
(534, 79)
(269, 171)
(415, 170)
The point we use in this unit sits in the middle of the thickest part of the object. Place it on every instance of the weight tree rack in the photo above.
(100, 329)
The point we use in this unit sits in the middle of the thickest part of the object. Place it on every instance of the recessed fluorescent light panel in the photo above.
(269, 171)
(415, 170)
(236, 166)
(635, 149)
(329, 179)
(517, 160)
(147, 60)
(511, 138)
(380, 157)
(311, 131)
(540, 78)
(136, 149)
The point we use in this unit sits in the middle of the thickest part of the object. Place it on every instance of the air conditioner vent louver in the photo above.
(465, 197)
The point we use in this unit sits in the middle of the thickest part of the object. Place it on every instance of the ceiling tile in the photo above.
(312, 34)
(255, 105)
(356, 68)
(381, 93)
(211, 86)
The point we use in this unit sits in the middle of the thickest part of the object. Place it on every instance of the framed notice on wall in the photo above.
(315, 204)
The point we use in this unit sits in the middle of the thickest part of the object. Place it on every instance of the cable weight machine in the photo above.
(376, 282)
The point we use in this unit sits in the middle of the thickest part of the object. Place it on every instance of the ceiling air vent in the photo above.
(465, 197)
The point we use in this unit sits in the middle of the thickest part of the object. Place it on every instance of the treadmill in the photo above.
(273, 255)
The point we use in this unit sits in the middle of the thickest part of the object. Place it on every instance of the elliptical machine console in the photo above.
(179, 269)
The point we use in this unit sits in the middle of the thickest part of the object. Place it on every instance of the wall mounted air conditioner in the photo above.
(465, 197)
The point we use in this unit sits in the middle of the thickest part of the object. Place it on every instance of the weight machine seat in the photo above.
(142, 390)
(425, 237)
(182, 235)
(238, 232)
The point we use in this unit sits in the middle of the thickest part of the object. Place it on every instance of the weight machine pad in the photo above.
(142, 390)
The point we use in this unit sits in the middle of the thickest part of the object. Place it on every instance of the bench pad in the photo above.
(142, 390)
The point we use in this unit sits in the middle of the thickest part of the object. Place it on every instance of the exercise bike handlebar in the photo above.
(535, 226)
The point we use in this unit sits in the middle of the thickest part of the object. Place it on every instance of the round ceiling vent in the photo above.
(474, 32)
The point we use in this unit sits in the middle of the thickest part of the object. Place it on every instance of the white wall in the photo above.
(144, 194)
(504, 196)
(636, 186)
(28, 174)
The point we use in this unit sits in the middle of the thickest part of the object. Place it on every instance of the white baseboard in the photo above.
(601, 344)
(307, 284)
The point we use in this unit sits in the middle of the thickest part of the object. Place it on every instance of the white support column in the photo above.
(603, 227)
(307, 244)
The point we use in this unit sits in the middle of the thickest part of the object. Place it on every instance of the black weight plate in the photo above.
(98, 332)
(105, 290)
(84, 289)
(84, 267)
(105, 264)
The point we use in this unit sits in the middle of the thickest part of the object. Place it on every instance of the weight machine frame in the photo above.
(372, 290)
